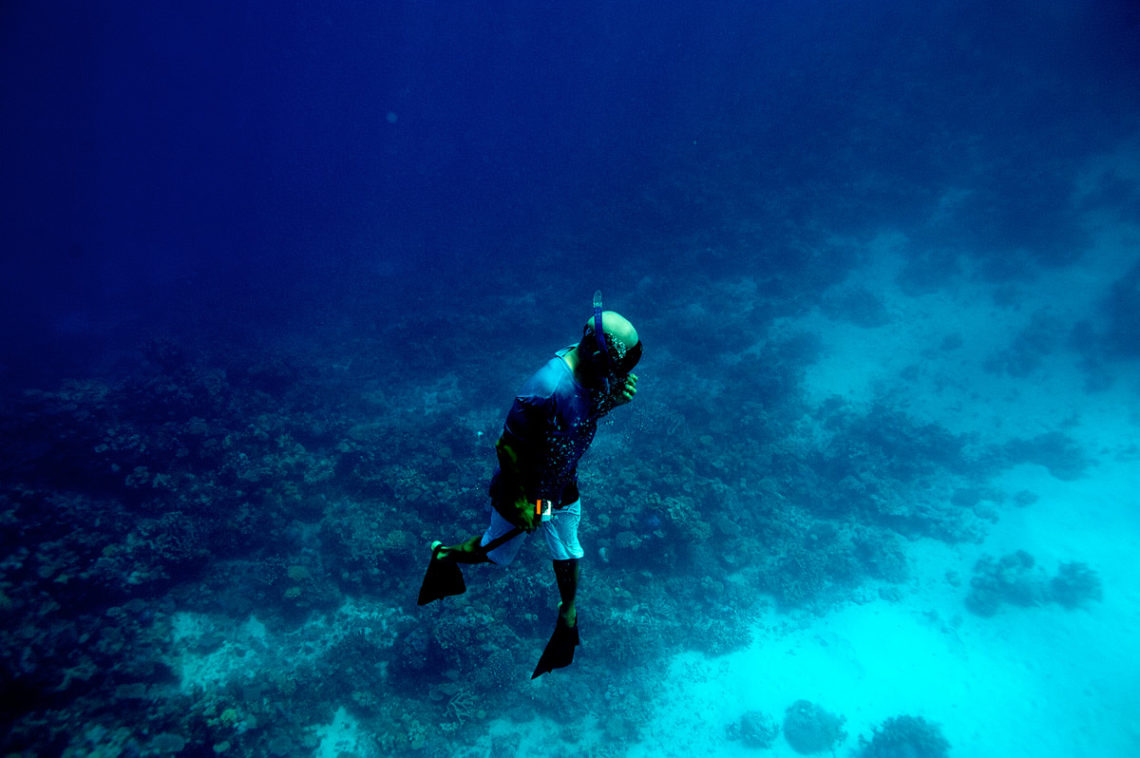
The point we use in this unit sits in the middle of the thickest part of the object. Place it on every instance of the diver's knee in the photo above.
(501, 561)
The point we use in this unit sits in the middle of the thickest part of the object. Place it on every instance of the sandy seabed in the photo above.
(1037, 681)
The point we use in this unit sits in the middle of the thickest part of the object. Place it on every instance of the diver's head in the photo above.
(617, 357)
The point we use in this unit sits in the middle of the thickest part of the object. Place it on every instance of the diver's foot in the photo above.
(559, 652)
(443, 577)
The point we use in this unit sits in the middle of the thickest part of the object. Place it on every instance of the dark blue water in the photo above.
(170, 167)
(293, 259)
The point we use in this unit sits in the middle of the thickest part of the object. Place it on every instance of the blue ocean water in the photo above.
(275, 271)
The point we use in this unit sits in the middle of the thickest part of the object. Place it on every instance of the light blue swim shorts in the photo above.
(561, 533)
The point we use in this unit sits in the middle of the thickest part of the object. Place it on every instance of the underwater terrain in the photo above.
(274, 274)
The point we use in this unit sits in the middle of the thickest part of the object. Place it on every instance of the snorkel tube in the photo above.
(600, 338)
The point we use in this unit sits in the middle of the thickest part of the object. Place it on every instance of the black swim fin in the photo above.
(559, 652)
(443, 578)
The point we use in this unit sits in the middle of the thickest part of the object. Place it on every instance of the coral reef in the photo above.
(754, 729)
(1010, 579)
(1029, 348)
(1074, 585)
(1120, 308)
(809, 728)
(857, 305)
(1055, 451)
(285, 503)
(905, 737)
(1014, 580)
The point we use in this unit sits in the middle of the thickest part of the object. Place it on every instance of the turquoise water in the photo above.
(274, 274)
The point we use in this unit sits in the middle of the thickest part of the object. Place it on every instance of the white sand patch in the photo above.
(541, 737)
(210, 654)
(211, 651)
(1027, 682)
(342, 737)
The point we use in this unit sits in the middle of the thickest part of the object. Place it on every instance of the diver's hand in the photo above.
(524, 509)
(625, 391)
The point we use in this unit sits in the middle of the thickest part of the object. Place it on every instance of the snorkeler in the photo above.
(535, 486)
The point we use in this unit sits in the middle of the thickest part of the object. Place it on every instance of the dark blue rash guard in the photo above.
(550, 425)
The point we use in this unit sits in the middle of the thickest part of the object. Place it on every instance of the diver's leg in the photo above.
(469, 551)
(561, 535)
(559, 651)
(499, 544)
(566, 574)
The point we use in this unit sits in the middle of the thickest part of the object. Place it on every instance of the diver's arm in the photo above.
(513, 494)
